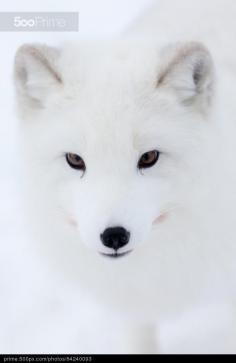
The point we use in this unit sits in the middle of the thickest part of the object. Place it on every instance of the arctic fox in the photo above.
(128, 145)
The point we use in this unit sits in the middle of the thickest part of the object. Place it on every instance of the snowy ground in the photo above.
(25, 310)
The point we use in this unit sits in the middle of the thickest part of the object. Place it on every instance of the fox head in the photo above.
(112, 133)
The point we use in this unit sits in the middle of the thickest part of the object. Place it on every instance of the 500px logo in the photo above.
(39, 21)
(21, 22)
(48, 22)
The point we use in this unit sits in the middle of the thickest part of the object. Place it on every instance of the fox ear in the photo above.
(36, 75)
(188, 70)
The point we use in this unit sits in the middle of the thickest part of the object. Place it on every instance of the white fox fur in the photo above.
(167, 83)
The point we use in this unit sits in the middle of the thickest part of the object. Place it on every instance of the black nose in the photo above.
(115, 237)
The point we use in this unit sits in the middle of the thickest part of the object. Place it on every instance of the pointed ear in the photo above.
(188, 70)
(36, 74)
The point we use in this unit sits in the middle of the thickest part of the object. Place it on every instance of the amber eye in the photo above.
(148, 159)
(75, 161)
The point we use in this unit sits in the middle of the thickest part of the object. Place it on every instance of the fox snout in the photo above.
(115, 238)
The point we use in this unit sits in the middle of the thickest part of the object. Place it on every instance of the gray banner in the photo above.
(39, 21)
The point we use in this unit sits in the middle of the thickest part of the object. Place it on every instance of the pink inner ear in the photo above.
(161, 218)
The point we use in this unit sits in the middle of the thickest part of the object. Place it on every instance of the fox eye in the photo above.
(148, 159)
(75, 161)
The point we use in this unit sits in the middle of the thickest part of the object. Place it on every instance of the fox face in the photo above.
(113, 132)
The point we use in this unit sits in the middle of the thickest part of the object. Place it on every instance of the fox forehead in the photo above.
(102, 127)
(109, 95)
(127, 68)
